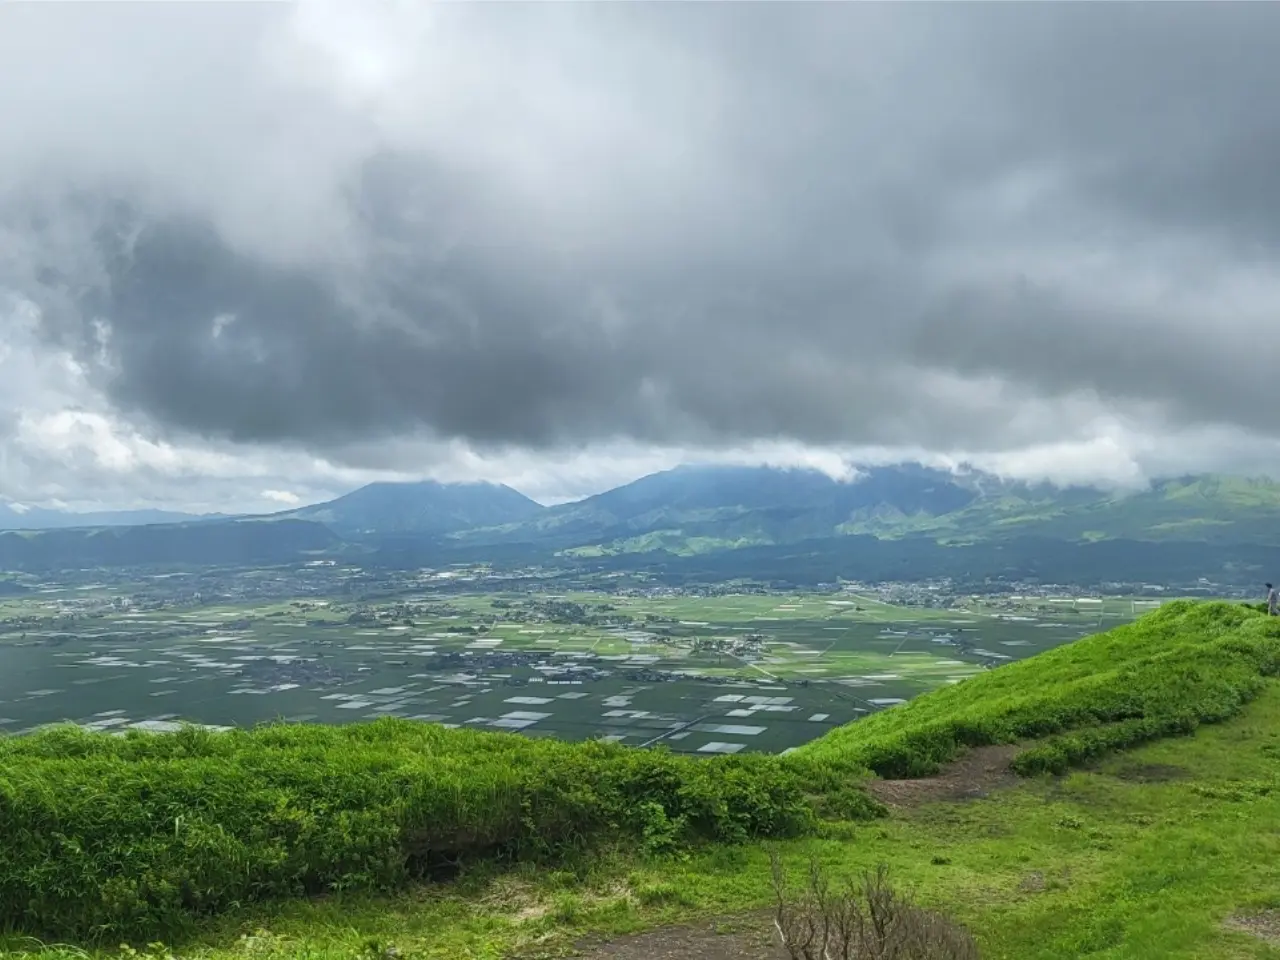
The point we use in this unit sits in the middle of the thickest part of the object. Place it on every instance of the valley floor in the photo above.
(1168, 851)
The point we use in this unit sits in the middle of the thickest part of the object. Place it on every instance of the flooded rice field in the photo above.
(719, 678)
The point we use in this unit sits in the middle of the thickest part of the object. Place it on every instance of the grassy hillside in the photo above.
(1216, 509)
(108, 837)
(1164, 674)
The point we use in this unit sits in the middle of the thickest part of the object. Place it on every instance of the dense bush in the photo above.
(127, 836)
(1186, 664)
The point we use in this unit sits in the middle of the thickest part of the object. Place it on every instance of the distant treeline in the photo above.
(806, 563)
(870, 559)
(1050, 561)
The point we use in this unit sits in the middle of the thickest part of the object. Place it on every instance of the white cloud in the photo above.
(259, 119)
(62, 444)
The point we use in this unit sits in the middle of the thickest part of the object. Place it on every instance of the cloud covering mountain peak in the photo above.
(404, 237)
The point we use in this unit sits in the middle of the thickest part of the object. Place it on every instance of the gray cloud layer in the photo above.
(944, 226)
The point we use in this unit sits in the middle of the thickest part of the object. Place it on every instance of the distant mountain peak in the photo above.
(421, 507)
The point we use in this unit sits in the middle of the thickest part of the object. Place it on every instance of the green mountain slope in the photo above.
(706, 509)
(1204, 508)
(697, 509)
(719, 512)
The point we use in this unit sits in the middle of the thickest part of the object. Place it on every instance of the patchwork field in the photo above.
(726, 674)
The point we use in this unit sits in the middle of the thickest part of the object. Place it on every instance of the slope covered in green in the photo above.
(1164, 674)
(1215, 509)
(698, 510)
(127, 836)
(112, 837)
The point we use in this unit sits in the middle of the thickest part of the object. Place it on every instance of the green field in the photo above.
(744, 672)
(1141, 854)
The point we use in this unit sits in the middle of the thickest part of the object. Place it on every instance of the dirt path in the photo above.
(971, 776)
(742, 938)
(1265, 925)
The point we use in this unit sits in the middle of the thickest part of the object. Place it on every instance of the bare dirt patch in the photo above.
(1264, 925)
(1151, 772)
(972, 775)
(744, 938)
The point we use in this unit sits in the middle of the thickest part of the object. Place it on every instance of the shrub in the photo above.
(864, 921)
(136, 835)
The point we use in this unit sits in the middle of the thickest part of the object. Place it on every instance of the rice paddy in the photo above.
(702, 675)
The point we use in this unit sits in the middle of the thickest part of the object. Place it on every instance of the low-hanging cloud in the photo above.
(978, 228)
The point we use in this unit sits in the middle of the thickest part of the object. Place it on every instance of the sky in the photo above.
(257, 254)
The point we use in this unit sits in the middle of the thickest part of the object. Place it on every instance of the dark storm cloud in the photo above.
(890, 224)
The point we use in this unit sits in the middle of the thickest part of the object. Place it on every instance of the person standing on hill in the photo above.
(1273, 601)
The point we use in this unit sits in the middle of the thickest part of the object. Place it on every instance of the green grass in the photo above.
(1102, 863)
(136, 836)
(305, 831)
(1184, 665)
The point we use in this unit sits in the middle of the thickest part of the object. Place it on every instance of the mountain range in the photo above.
(688, 512)
(14, 517)
(705, 509)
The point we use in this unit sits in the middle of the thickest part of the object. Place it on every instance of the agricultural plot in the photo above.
(747, 673)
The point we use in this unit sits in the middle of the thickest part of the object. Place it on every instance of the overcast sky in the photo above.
(251, 254)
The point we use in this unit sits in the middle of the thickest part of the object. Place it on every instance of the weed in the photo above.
(567, 908)
(864, 921)
(661, 894)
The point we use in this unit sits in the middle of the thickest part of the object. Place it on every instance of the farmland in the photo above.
(748, 672)
(256, 824)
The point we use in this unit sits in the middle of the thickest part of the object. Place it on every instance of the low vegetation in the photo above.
(866, 919)
(113, 838)
(1163, 675)
(136, 835)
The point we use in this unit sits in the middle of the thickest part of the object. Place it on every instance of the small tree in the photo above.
(862, 921)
